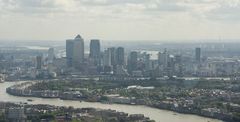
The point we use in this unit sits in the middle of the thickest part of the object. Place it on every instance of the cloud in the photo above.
(226, 11)
(173, 18)
(55, 6)
(212, 10)
(32, 7)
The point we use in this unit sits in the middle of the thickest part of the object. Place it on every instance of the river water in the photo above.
(155, 114)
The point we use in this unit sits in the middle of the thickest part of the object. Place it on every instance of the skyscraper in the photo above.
(178, 59)
(107, 57)
(132, 62)
(147, 62)
(113, 56)
(69, 52)
(178, 66)
(120, 58)
(75, 51)
(39, 62)
(95, 51)
(198, 54)
(163, 58)
(107, 67)
(50, 55)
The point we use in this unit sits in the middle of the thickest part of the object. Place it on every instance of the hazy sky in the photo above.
(120, 19)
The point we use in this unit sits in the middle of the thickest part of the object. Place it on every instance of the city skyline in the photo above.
(119, 61)
(120, 20)
(180, 79)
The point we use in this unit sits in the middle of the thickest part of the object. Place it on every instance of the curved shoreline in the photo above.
(174, 112)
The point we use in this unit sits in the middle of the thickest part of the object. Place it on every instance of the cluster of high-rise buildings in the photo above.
(115, 61)
(96, 62)
(118, 61)
(129, 62)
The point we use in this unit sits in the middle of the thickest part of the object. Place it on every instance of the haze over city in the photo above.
(160, 20)
(119, 61)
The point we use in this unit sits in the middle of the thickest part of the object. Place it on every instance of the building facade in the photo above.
(198, 54)
(120, 57)
(95, 51)
(75, 52)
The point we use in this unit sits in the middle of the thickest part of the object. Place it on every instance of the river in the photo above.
(155, 114)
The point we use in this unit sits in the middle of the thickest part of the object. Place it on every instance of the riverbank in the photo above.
(27, 112)
(156, 114)
(18, 91)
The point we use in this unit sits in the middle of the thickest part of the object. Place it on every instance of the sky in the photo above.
(120, 19)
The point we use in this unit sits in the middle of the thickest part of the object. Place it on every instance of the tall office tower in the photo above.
(147, 62)
(113, 56)
(178, 59)
(107, 61)
(50, 55)
(95, 51)
(69, 52)
(120, 56)
(75, 51)
(178, 66)
(163, 58)
(132, 62)
(39, 62)
(170, 67)
(171, 62)
(198, 54)
(107, 58)
(159, 58)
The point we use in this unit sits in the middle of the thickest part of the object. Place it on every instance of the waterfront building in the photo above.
(16, 114)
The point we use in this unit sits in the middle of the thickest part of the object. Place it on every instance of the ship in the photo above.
(29, 100)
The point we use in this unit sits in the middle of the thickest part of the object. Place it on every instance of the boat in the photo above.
(29, 100)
